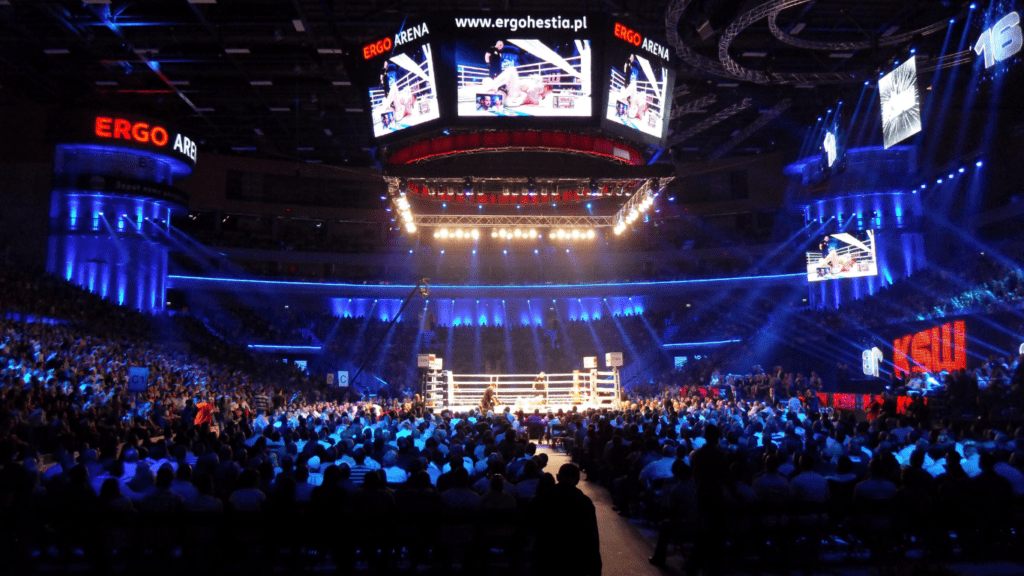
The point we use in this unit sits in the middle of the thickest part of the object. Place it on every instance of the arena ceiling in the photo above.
(268, 77)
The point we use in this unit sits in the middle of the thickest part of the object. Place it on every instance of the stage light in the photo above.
(475, 233)
(533, 233)
(494, 233)
(978, 163)
(575, 234)
(410, 251)
(961, 170)
(552, 235)
(590, 234)
(444, 232)
(458, 234)
(566, 250)
(410, 227)
(561, 234)
(502, 233)
(474, 251)
(973, 6)
(518, 233)
(951, 176)
(444, 205)
(535, 251)
(939, 181)
(923, 186)
(505, 251)
(442, 251)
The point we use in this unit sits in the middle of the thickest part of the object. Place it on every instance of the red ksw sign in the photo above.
(933, 350)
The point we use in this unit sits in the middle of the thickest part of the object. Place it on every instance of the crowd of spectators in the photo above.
(217, 436)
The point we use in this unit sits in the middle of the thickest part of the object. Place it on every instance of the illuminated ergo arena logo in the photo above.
(143, 133)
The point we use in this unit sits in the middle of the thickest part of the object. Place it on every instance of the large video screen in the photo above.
(638, 89)
(843, 255)
(901, 103)
(406, 92)
(523, 77)
(637, 84)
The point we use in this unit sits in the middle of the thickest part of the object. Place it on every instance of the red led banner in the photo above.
(933, 350)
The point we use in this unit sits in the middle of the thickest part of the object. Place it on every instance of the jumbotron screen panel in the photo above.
(519, 71)
(843, 255)
(637, 85)
(407, 93)
(901, 103)
(523, 77)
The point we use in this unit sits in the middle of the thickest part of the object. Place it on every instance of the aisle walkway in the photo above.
(625, 545)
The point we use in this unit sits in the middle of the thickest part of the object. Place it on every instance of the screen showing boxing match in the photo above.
(405, 94)
(514, 76)
(843, 255)
(638, 86)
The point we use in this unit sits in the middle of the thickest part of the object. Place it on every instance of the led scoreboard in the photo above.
(520, 71)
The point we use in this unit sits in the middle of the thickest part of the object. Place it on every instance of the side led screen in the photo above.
(405, 94)
(637, 85)
(901, 103)
(638, 88)
(511, 76)
(843, 255)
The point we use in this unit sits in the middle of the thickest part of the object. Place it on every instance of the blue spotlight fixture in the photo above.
(474, 251)
(961, 170)
(978, 163)
(951, 176)
(913, 50)
(444, 205)
(973, 6)
(535, 251)
(442, 251)
(505, 251)
(410, 251)
(939, 181)
(922, 186)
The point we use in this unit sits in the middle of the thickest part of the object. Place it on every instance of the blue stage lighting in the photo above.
(519, 207)
(922, 186)
(383, 198)
(939, 181)
(973, 6)
(410, 251)
(444, 205)
(978, 163)
(474, 251)
(535, 251)
(951, 176)
(566, 250)
(913, 50)
(588, 206)
(442, 251)
(479, 206)
(505, 251)
(961, 170)
(952, 20)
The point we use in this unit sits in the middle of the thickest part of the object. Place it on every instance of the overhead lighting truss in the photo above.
(513, 221)
(486, 190)
(638, 204)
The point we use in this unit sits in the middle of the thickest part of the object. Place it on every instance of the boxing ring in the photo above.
(580, 388)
